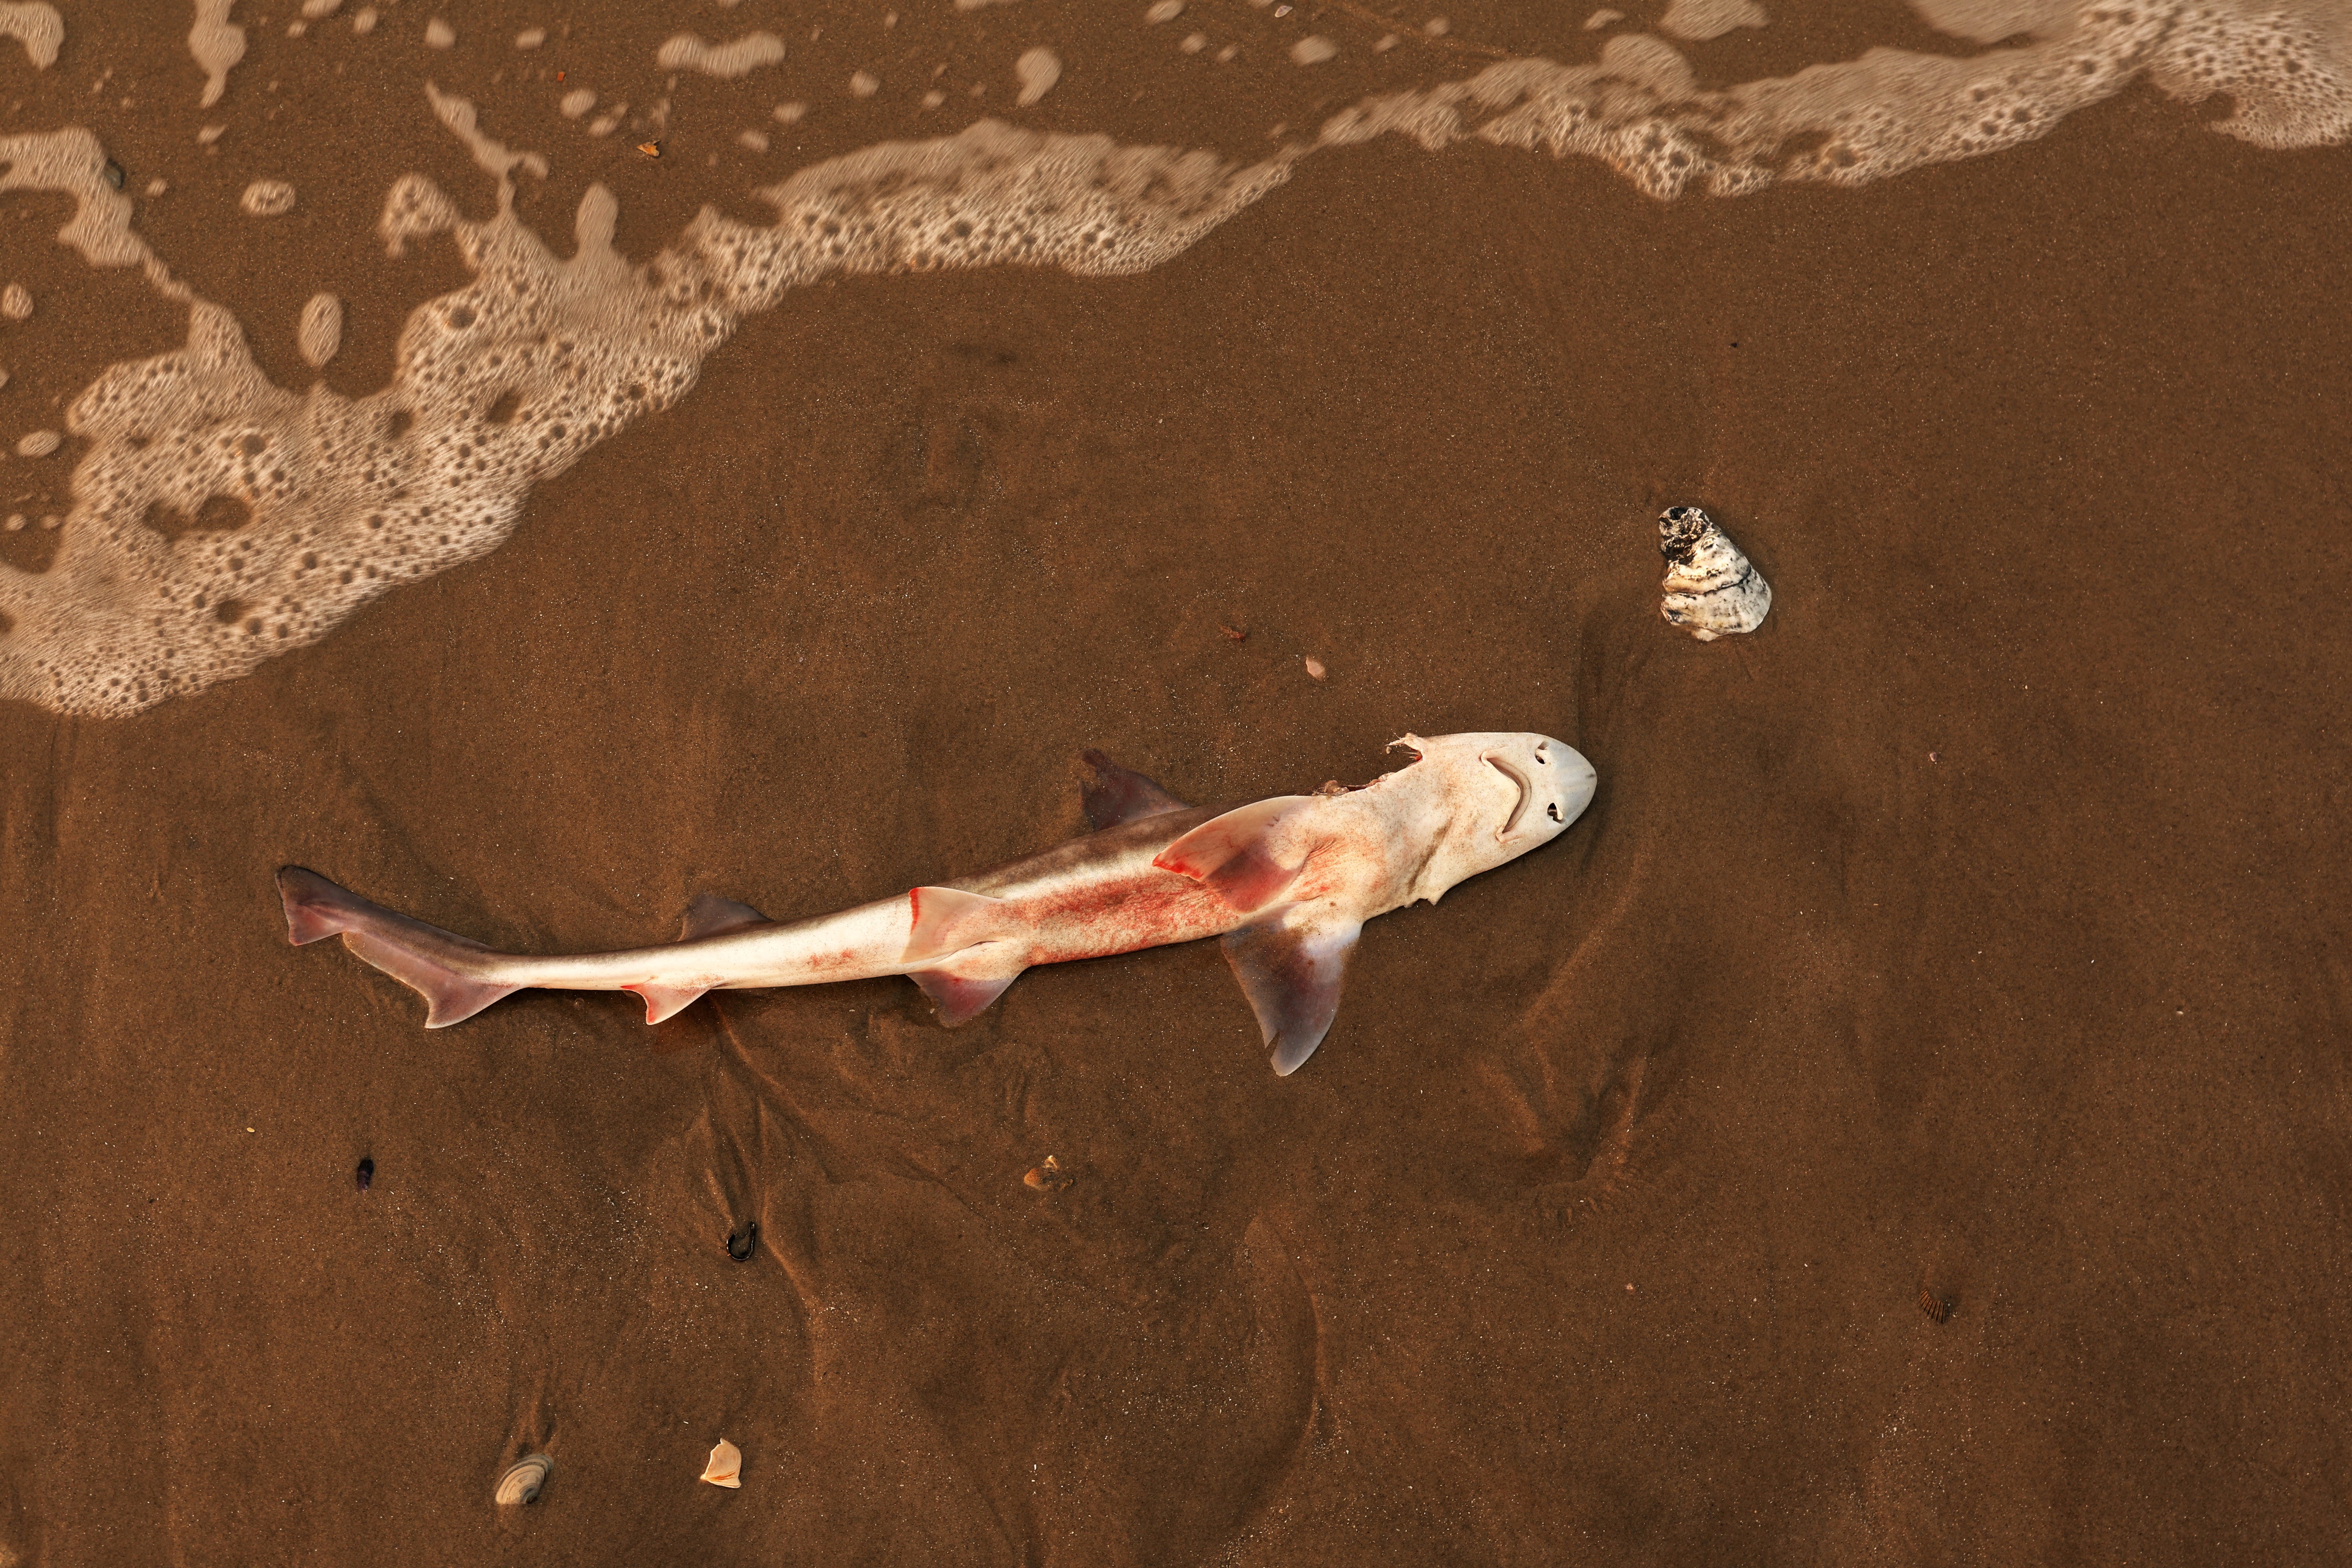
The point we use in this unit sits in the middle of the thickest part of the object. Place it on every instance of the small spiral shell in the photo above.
(523, 1478)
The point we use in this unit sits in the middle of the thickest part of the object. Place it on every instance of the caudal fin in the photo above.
(429, 961)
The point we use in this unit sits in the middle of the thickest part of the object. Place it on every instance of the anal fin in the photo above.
(956, 999)
(708, 915)
(1292, 975)
(666, 1002)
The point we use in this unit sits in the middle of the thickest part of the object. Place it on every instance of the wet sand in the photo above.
(1975, 928)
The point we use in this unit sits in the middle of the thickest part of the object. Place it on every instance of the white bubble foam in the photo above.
(364, 20)
(1038, 71)
(577, 102)
(39, 443)
(440, 35)
(865, 84)
(1890, 110)
(1313, 50)
(216, 45)
(496, 387)
(37, 26)
(1163, 11)
(531, 37)
(268, 198)
(728, 61)
(494, 158)
(316, 9)
(16, 302)
(319, 334)
(755, 141)
(1704, 19)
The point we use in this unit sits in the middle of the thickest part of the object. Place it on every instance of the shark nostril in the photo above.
(1552, 811)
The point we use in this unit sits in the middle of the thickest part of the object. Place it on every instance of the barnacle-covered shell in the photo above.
(726, 1466)
(1711, 589)
(523, 1478)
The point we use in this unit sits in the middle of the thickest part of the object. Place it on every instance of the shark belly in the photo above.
(1101, 895)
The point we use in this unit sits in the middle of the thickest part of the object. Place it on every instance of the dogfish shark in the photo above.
(1286, 883)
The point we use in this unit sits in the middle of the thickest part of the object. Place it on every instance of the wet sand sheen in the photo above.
(1797, 1024)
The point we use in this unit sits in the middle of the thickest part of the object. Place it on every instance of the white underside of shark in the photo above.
(1288, 883)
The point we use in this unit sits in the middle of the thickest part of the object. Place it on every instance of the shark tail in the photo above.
(433, 962)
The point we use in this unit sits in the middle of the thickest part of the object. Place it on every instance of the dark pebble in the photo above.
(744, 1238)
(366, 1174)
(114, 174)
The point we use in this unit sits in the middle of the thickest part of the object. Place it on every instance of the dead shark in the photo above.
(1288, 883)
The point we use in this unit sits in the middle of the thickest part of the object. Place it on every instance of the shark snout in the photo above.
(1573, 781)
(1555, 785)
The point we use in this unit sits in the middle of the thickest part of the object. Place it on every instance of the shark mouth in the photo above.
(1527, 790)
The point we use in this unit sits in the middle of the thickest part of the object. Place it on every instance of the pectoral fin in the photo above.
(1235, 854)
(1291, 975)
(1116, 795)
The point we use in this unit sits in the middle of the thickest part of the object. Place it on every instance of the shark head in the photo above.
(1500, 794)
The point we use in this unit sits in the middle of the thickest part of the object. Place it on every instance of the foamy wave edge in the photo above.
(510, 379)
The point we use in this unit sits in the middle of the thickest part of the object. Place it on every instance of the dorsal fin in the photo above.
(1116, 795)
(1291, 975)
(710, 915)
(1234, 853)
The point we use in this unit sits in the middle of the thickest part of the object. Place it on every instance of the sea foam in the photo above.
(497, 385)
(509, 379)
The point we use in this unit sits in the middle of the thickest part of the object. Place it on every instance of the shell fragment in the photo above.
(1711, 589)
(726, 1466)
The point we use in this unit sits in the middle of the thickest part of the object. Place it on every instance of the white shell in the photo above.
(523, 1478)
(726, 1466)
(1711, 589)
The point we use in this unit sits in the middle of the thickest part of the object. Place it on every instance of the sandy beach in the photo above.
(1972, 931)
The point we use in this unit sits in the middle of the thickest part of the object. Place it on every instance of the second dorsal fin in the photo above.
(1116, 795)
(710, 915)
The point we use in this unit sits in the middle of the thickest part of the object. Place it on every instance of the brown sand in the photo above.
(1976, 927)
